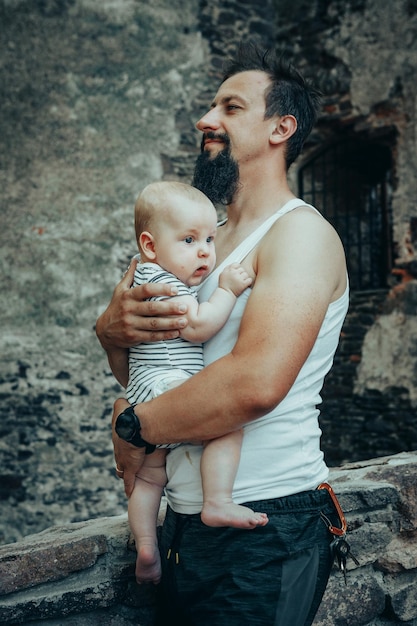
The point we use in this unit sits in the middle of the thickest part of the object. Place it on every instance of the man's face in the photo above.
(235, 133)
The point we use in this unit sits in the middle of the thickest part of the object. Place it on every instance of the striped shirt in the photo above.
(151, 362)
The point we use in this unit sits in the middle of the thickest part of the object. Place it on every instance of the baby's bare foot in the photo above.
(231, 514)
(148, 564)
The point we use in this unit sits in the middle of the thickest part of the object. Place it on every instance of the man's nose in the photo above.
(208, 121)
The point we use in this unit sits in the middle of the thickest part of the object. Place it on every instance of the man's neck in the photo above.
(252, 205)
(256, 200)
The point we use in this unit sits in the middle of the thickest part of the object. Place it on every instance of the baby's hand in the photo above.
(235, 278)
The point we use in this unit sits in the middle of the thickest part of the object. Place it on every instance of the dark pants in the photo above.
(274, 575)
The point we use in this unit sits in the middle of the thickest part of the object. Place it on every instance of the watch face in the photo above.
(125, 426)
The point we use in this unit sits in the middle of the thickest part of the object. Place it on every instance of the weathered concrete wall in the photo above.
(97, 99)
(92, 93)
(363, 54)
(382, 60)
(390, 347)
(83, 573)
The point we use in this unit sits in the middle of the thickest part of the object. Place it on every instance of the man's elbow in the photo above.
(260, 397)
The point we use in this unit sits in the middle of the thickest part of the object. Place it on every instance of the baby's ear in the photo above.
(146, 245)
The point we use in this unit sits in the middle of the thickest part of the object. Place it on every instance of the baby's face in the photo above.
(185, 242)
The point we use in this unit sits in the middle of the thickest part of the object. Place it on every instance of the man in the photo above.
(264, 370)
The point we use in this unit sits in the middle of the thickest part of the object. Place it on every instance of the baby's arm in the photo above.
(207, 318)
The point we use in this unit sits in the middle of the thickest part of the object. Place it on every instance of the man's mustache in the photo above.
(211, 135)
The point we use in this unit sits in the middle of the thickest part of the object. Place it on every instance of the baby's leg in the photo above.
(219, 464)
(143, 508)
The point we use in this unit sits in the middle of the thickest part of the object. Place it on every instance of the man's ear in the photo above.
(284, 128)
(146, 245)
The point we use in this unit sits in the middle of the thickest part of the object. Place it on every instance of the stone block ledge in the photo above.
(83, 573)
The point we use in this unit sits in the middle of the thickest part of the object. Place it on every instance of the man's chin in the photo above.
(216, 174)
(213, 149)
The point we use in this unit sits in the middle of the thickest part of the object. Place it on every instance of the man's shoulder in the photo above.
(303, 221)
(303, 239)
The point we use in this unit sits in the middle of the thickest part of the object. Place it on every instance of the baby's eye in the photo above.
(188, 240)
(210, 239)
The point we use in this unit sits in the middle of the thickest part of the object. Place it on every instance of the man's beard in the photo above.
(217, 177)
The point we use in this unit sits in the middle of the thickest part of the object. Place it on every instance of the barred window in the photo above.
(350, 184)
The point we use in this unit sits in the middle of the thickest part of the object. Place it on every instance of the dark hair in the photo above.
(288, 94)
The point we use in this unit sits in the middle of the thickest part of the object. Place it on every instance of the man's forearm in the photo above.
(119, 364)
(100, 332)
(118, 358)
(129, 459)
(216, 401)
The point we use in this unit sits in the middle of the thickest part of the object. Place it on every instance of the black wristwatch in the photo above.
(128, 428)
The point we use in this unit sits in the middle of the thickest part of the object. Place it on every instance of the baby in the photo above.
(175, 230)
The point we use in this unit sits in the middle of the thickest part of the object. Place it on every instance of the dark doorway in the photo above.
(349, 183)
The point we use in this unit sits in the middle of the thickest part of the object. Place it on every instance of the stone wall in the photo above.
(362, 419)
(92, 95)
(362, 53)
(100, 98)
(83, 574)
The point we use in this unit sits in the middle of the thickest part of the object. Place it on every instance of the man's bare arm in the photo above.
(299, 269)
(129, 459)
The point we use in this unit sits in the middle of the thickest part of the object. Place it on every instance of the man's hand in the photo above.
(131, 319)
(129, 459)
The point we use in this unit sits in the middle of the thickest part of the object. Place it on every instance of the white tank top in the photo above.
(281, 451)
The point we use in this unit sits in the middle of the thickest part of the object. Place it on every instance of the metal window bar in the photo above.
(358, 209)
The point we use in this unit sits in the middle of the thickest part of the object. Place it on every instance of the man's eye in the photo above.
(188, 240)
